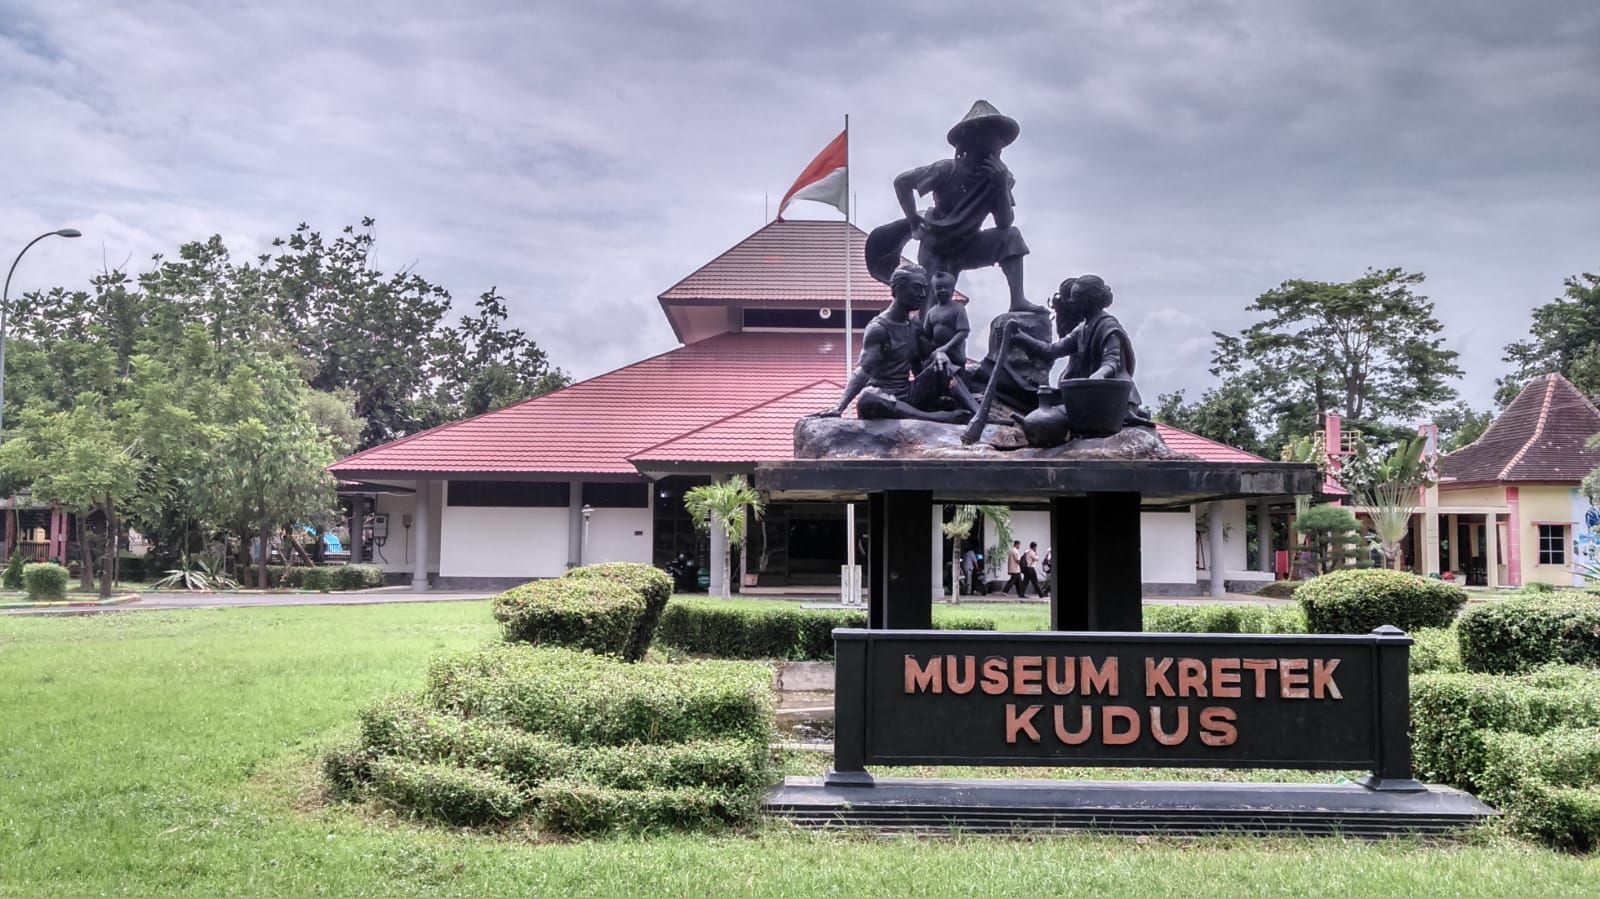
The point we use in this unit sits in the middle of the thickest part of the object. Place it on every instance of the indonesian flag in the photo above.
(824, 179)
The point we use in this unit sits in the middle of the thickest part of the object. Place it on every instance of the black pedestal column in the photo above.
(901, 589)
(1096, 583)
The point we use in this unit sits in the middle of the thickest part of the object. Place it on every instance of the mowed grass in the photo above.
(164, 753)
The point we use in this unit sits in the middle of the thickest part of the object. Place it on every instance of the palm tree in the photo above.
(1392, 499)
(730, 505)
(960, 526)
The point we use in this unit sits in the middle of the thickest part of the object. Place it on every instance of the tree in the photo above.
(1369, 349)
(729, 505)
(1459, 425)
(1392, 498)
(959, 528)
(1565, 339)
(1224, 413)
(483, 365)
(1332, 534)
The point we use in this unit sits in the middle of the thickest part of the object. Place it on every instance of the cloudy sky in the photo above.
(585, 156)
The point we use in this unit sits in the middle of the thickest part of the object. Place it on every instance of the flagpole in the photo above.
(852, 588)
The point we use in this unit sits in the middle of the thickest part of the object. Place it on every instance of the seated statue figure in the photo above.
(944, 324)
(894, 376)
(1094, 343)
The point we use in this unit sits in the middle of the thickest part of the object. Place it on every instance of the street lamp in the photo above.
(5, 307)
(583, 547)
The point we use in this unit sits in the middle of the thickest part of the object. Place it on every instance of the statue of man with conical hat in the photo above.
(967, 190)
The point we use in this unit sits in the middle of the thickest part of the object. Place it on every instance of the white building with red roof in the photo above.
(596, 471)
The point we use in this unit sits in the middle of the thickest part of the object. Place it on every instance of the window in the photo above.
(617, 496)
(509, 493)
(1552, 544)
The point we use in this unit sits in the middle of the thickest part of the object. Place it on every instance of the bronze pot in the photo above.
(1095, 408)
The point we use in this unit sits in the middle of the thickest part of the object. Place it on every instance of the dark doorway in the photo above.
(680, 549)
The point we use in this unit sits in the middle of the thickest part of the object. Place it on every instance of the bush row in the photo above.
(1223, 619)
(1523, 632)
(611, 609)
(1435, 650)
(1357, 601)
(1548, 785)
(715, 628)
(45, 581)
(322, 577)
(580, 743)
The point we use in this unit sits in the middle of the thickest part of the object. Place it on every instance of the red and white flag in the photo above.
(824, 179)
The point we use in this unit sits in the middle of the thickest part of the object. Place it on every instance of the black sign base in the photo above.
(1123, 807)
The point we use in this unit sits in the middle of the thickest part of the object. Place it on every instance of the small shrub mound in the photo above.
(1434, 649)
(715, 628)
(650, 582)
(45, 581)
(579, 743)
(1280, 589)
(1356, 602)
(1222, 619)
(1523, 632)
(594, 614)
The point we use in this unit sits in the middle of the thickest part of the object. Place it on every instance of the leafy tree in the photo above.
(1331, 533)
(1369, 349)
(483, 365)
(1564, 339)
(1223, 413)
(1459, 425)
(728, 505)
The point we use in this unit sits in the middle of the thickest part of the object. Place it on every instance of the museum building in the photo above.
(596, 471)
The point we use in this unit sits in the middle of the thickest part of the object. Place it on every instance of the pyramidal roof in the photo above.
(786, 262)
(1543, 435)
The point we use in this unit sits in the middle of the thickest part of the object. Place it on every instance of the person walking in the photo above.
(970, 574)
(1048, 564)
(1014, 569)
(1030, 571)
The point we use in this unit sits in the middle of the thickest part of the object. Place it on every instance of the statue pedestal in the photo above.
(908, 439)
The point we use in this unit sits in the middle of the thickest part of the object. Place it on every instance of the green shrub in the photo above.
(1434, 649)
(1356, 602)
(44, 581)
(1547, 784)
(715, 628)
(1217, 618)
(650, 582)
(956, 622)
(319, 579)
(446, 793)
(1538, 587)
(1452, 713)
(355, 577)
(596, 614)
(12, 579)
(347, 768)
(592, 700)
(1523, 632)
(728, 765)
(583, 809)
(1283, 589)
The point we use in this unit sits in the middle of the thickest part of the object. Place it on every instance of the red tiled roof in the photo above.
(764, 433)
(1543, 435)
(1203, 447)
(786, 262)
(594, 426)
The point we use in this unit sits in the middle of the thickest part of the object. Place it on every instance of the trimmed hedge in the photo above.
(1547, 784)
(321, 577)
(1523, 632)
(596, 614)
(1434, 649)
(1222, 619)
(583, 809)
(651, 583)
(1357, 601)
(45, 581)
(591, 700)
(715, 628)
(1452, 713)
(446, 793)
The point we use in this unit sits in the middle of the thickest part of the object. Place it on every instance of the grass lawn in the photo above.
(1007, 616)
(163, 753)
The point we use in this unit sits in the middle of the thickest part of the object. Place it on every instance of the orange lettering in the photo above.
(1260, 667)
(1177, 736)
(1322, 679)
(1191, 677)
(1225, 678)
(1293, 680)
(994, 676)
(920, 679)
(952, 678)
(1060, 674)
(1102, 680)
(1073, 737)
(1108, 733)
(1216, 723)
(1025, 675)
(1016, 724)
(1155, 677)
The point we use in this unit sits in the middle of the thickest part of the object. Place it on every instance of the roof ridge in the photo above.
(1538, 428)
(1212, 442)
(661, 297)
(732, 415)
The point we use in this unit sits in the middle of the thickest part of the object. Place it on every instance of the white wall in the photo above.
(1166, 547)
(503, 542)
(1235, 548)
(617, 535)
(395, 554)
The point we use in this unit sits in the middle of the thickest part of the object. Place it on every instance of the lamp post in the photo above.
(583, 547)
(5, 307)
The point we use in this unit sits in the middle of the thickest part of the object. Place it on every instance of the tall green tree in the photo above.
(1369, 349)
(1564, 339)
(1225, 413)
(1459, 425)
